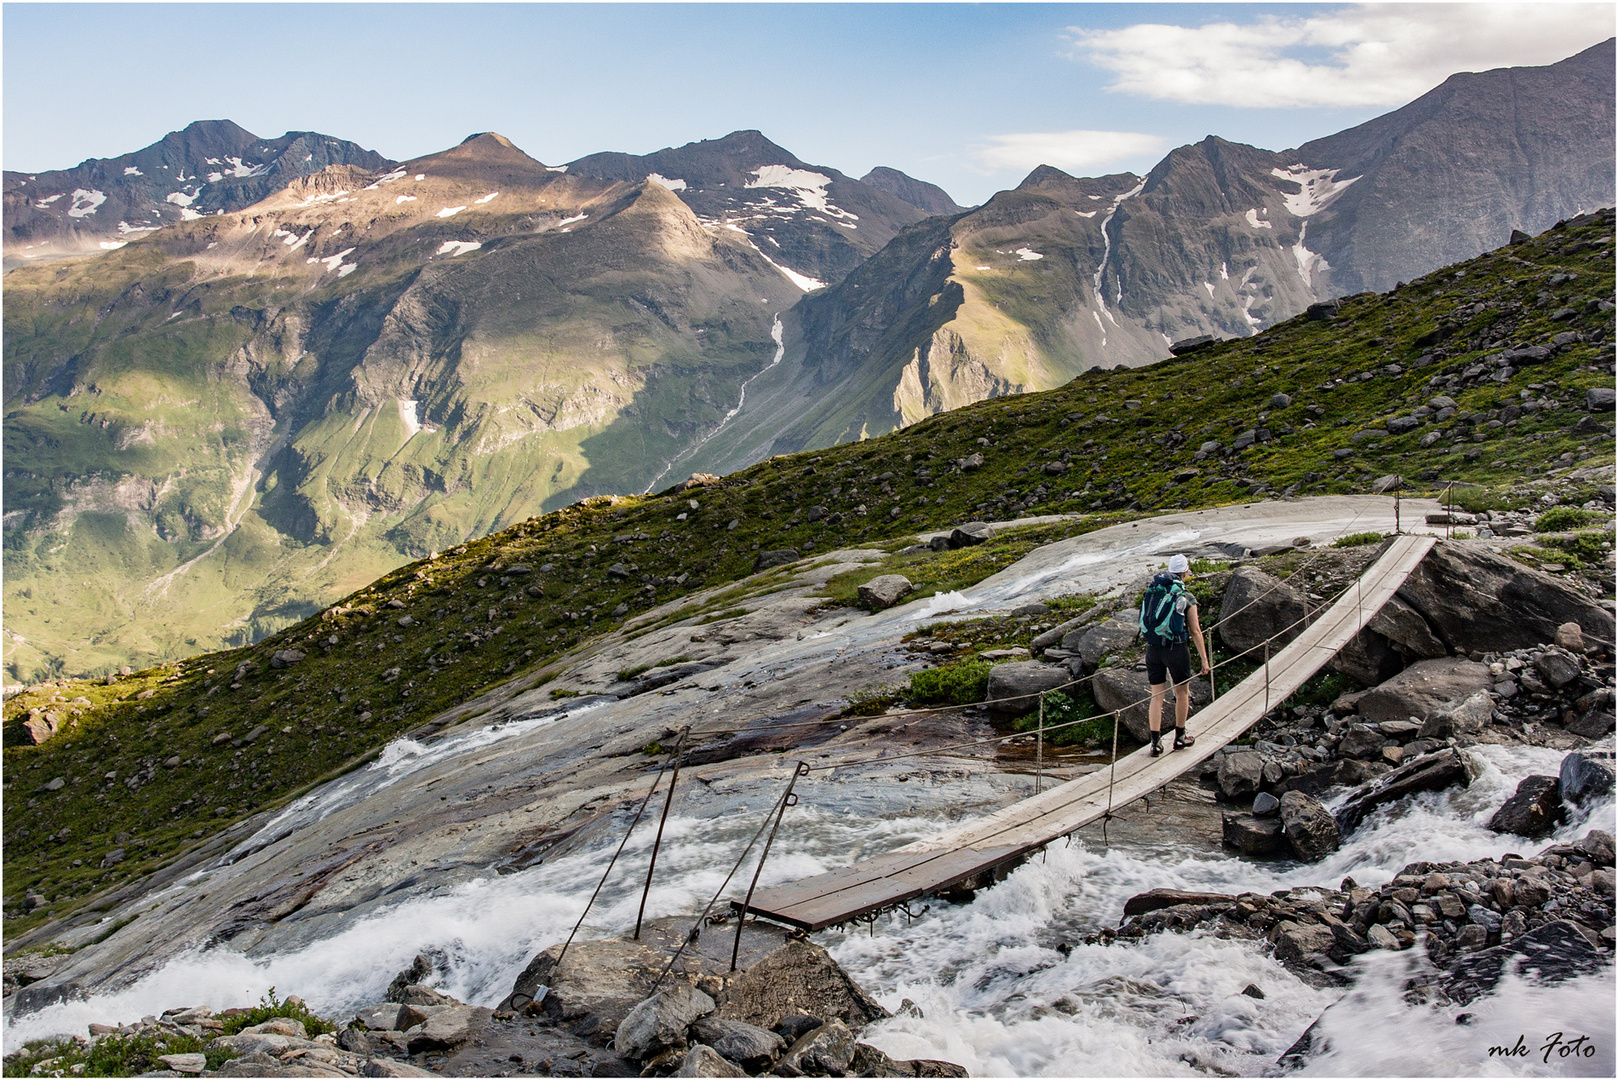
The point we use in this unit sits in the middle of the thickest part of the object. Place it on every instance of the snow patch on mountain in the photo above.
(802, 281)
(85, 202)
(1252, 219)
(43, 203)
(402, 199)
(1028, 255)
(1319, 188)
(1086, 213)
(450, 211)
(333, 262)
(571, 220)
(809, 187)
(457, 247)
(672, 185)
(1309, 263)
(130, 170)
(178, 198)
(487, 198)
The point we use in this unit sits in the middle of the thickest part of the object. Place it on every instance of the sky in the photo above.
(967, 96)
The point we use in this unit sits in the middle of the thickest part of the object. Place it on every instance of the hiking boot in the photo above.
(1157, 744)
(1182, 740)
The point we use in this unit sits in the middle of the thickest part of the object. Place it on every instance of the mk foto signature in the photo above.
(1579, 1046)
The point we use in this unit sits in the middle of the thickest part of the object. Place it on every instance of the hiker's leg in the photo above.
(1154, 708)
(1157, 675)
(1182, 704)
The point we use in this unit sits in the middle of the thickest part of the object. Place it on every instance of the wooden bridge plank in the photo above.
(940, 862)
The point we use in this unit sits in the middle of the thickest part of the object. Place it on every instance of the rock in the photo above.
(1534, 810)
(1157, 899)
(1467, 718)
(1554, 952)
(775, 557)
(796, 1025)
(884, 591)
(184, 1063)
(269, 1044)
(448, 1026)
(1310, 829)
(1430, 772)
(1557, 666)
(1595, 719)
(1361, 741)
(748, 1045)
(800, 976)
(1475, 600)
(278, 1025)
(1586, 774)
(1600, 398)
(1114, 635)
(285, 658)
(388, 1067)
(1280, 401)
(1014, 688)
(1424, 689)
(383, 1017)
(1391, 482)
(1124, 692)
(825, 1051)
(1381, 937)
(41, 727)
(1241, 773)
(416, 994)
(1297, 943)
(1406, 630)
(1367, 659)
(598, 983)
(1057, 634)
(973, 532)
(1256, 606)
(702, 1061)
(1570, 636)
(1253, 835)
(1597, 843)
(659, 1022)
(971, 462)
(1266, 805)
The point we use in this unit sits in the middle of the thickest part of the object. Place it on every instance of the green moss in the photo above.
(1359, 539)
(961, 683)
(1564, 519)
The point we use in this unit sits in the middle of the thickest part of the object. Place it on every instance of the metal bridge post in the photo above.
(788, 799)
(679, 751)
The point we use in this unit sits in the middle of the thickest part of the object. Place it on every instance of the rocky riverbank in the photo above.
(602, 1007)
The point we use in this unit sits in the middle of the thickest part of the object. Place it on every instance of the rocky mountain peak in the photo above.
(928, 198)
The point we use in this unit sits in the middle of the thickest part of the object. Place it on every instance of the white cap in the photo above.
(1179, 564)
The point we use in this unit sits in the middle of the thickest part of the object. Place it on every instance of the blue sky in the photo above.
(969, 96)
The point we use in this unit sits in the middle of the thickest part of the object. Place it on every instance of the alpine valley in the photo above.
(244, 377)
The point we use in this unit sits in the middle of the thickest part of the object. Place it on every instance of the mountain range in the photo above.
(327, 363)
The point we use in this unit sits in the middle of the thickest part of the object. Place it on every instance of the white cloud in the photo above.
(1077, 152)
(1365, 54)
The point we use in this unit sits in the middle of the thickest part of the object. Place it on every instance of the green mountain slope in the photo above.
(218, 429)
(1521, 340)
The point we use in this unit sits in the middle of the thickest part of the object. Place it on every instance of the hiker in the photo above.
(1168, 615)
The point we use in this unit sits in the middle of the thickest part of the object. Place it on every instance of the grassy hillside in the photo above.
(167, 757)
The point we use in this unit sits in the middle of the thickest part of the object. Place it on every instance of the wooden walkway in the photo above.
(977, 848)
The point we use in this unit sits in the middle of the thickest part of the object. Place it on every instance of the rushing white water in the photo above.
(992, 990)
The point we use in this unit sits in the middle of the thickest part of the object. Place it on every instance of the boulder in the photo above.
(383, 1017)
(1241, 773)
(1157, 899)
(1257, 606)
(1554, 952)
(37, 728)
(447, 1027)
(1467, 718)
(775, 557)
(1266, 805)
(825, 1051)
(1253, 835)
(1597, 843)
(380, 1067)
(1593, 717)
(1297, 943)
(1557, 666)
(1534, 810)
(1125, 692)
(1406, 630)
(594, 989)
(1310, 829)
(1361, 741)
(1586, 774)
(1014, 687)
(1424, 689)
(1114, 635)
(748, 1045)
(884, 591)
(1570, 636)
(1367, 659)
(799, 976)
(702, 1061)
(973, 532)
(1057, 635)
(659, 1022)
(1430, 772)
(189, 1064)
(1476, 600)
(285, 658)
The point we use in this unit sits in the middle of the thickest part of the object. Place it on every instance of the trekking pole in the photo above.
(1039, 749)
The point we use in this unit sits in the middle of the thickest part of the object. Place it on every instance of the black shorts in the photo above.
(1164, 660)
